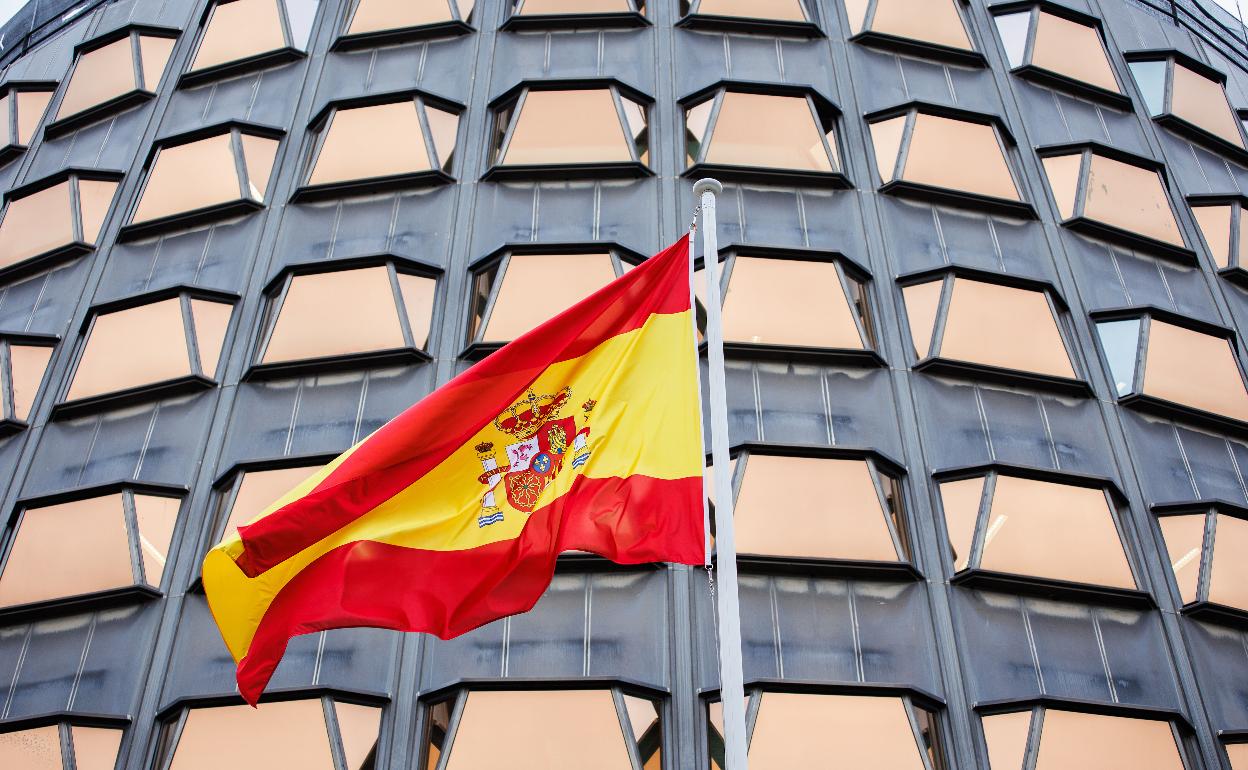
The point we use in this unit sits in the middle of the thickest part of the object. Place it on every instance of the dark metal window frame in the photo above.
(904, 45)
(142, 93)
(322, 123)
(65, 721)
(198, 380)
(275, 296)
(15, 147)
(1202, 608)
(691, 17)
(1048, 78)
(289, 52)
(505, 111)
(1236, 270)
(516, 21)
(975, 577)
(138, 592)
(1177, 124)
(933, 362)
(10, 423)
(456, 26)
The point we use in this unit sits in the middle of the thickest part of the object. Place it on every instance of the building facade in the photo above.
(986, 271)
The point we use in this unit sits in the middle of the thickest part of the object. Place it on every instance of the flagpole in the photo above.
(731, 686)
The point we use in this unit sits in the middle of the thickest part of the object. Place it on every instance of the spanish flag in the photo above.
(582, 435)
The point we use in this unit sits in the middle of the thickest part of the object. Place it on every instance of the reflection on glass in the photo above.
(1150, 76)
(1072, 49)
(1215, 228)
(1130, 198)
(1120, 340)
(556, 127)
(382, 15)
(130, 348)
(37, 224)
(108, 73)
(155, 517)
(240, 29)
(1005, 327)
(1006, 736)
(561, 280)
(788, 302)
(284, 734)
(953, 154)
(1071, 740)
(791, 139)
(928, 21)
(1194, 369)
(781, 10)
(199, 175)
(260, 489)
(1202, 102)
(1013, 29)
(28, 363)
(1228, 582)
(1185, 538)
(792, 729)
(1238, 753)
(961, 501)
(557, 7)
(35, 749)
(95, 748)
(377, 141)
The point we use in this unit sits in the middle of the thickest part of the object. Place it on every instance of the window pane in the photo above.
(418, 293)
(37, 749)
(358, 726)
(788, 302)
(36, 224)
(1228, 583)
(134, 347)
(89, 534)
(932, 21)
(568, 127)
(30, 108)
(958, 155)
(156, 517)
(211, 320)
(922, 303)
(443, 126)
(189, 177)
(513, 729)
(1150, 76)
(1074, 50)
(1202, 102)
(261, 489)
(240, 29)
(100, 75)
(1131, 198)
(95, 748)
(95, 198)
(1006, 736)
(788, 139)
(1195, 369)
(29, 363)
(561, 280)
(1063, 175)
(1073, 741)
(366, 142)
(379, 15)
(285, 734)
(536, 7)
(1238, 752)
(1184, 536)
(783, 509)
(1121, 341)
(886, 136)
(783, 10)
(856, 10)
(1013, 29)
(335, 314)
(155, 51)
(258, 155)
(961, 501)
(800, 730)
(1215, 228)
(1028, 533)
(1003, 326)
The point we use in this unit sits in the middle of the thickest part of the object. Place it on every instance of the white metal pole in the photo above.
(731, 686)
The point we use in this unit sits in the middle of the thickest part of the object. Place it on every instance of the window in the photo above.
(307, 734)
(581, 13)
(54, 218)
(504, 286)
(114, 541)
(600, 130)
(113, 73)
(1206, 554)
(1072, 740)
(240, 35)
(1188, 96)
(159, 345)
(1238, 754)
(377, 22)
(23, 362)
(61, 747)
(954, 155)
(197, 177)
(512, 728)
(364, 313)
(955, 318)
(22, 105)
(408, 138)
(1223, 227)
(779, 300)
(251, 492)
(1003, 523)
(1065, 48)
(834, 730)
(782, 508)
(724, 135)
(780, 15)
(1113, 195)
(931, 27)
(1169, 362)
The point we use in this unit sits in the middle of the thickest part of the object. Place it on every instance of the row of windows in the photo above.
(615, 730)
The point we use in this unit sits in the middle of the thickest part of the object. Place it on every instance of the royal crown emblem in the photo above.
(546, 441)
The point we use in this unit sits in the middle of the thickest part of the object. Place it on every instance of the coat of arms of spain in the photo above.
(544, 442)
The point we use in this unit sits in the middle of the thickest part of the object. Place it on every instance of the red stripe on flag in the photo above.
(424, 435)
(634, 520)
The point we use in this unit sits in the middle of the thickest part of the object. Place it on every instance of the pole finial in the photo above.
(707, 185)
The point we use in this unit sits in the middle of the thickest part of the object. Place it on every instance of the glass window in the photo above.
(1176, 88)
(1022, 526)
(111, 72)
(203, 175)
(1210, 543)
(1223, 225)
(1238, 754)
(371, 17)
(504, 290)
(1063, 46)
(510, 728)
(936, 22)
(348, 312)
(383, 141)
(296, 733)
(943, 152)
(725, 131)
(1071, 740)
(253, 492)
(21, 110)
(831, 730)
(239, 30)
(47, 218)
(1130, 199)
(577, 7)
(98, 536)
(60, 747)
(25, 363)
(779, 10)
(783, 510)
(149, 345)
(1004, 327)
(581, 126)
